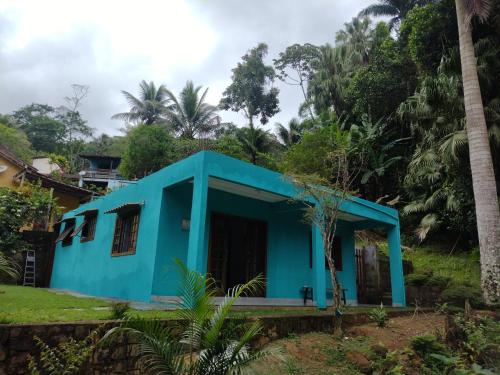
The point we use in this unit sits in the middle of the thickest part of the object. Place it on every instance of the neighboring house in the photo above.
(102, 172)
(45, 165)
(221, 216)
(14, 171)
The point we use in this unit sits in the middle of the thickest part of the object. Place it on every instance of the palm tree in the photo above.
(397, 9)
(356, 39)
(254, 141)
(189, 115)
(483, 176)
(7, 268)
(201, 344)
(328, 80)
(149, 108)
(291, 135)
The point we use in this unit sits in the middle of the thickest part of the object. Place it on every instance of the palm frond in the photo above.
(222, 311)
(379, 10)
(428, 223)
(7, 267)
(453, 143)
(478, 8)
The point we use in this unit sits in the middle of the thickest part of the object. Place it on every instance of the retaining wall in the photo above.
(16, 341)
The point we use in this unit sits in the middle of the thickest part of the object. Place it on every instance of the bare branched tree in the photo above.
(75, 126)
(323, 198)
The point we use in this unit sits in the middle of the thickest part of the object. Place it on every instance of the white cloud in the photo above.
(111, 45)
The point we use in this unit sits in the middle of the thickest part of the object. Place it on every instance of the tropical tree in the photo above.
(189, 115)
(76, 127)
(149, 108)
(294, 68)
(356, 39)
(327, 85)
(483, 176)
(254, 140)
(323, 191)
(16, 141)
(251, 91)
(290, 135)
(396, 9)
(149, 148)
(372, 152)
(41, 124)
(201, 344)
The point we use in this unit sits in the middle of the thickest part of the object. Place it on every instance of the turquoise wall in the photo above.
(89, 268)
(168, 194)
(288, 242)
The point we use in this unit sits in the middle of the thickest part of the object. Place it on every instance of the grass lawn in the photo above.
(24, 304)
(459, 267)
(30, 305)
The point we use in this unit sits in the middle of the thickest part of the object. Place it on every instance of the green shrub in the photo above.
(417, 279)
(456, 294)
(439, 281)
(119, 310)
(67, 358)
(482, 340)
(427, 278)
(426, 345)
(379, 315)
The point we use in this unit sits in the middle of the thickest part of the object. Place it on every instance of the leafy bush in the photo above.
(427, 278)
(67, 358)
(439, 281)
(456, 294)
(21, 207)
(426, 345)
(417, 279)
(482, 341)
(379, 315)
(119, 310)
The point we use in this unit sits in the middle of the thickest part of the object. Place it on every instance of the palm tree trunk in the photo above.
(483, 177)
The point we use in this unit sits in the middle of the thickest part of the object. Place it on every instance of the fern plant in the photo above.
(200, 343)
(379, 315)
(67, 358)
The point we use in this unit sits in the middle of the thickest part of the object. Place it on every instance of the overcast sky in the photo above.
(45, 46)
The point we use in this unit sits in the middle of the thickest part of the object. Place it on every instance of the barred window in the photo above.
(88, 230)
(65, 236)
(126, 229)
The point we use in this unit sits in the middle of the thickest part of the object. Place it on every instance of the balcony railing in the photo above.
(104, 174)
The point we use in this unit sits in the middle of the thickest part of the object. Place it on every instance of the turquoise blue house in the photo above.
(221, 216)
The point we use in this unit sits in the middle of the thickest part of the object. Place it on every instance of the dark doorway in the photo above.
(237, 251)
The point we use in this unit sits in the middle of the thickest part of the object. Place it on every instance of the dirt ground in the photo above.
(322, 354)
(399, 331)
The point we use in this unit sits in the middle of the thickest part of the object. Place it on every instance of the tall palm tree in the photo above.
(290, 135)
(356, 39)
(396, 9)
(328, 81)
(483, 176)
(254, 141)
(201, 344)
(149, 108)
(189, 115)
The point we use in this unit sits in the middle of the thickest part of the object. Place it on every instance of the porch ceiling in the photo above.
(349, 217)
(245, 191)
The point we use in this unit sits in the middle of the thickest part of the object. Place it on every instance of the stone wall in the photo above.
(16, 341)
